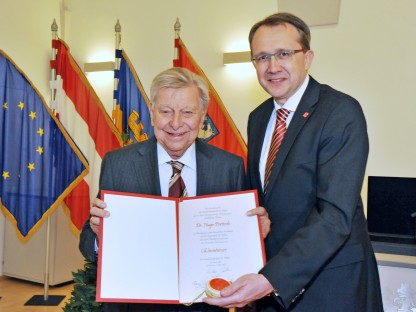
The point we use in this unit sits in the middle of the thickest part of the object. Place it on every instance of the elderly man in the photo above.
(179, 104)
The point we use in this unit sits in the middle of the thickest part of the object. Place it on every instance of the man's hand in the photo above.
(264, 219)
(244, 290)
(97, 211)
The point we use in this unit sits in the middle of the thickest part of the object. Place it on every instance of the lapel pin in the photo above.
(305, 114)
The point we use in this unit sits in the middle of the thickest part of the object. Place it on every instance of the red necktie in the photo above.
(176, 185)
(278, 134)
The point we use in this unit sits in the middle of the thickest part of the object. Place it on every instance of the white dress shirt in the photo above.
(188, 172)
(291, 104)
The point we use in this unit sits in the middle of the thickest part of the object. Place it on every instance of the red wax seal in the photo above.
(214, 287)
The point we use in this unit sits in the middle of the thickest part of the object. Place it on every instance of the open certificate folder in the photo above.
(164, 250)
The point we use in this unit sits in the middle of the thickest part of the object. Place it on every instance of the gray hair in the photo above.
(176, 78)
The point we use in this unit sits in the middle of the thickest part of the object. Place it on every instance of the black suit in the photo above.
(319, 254)
(134, 169)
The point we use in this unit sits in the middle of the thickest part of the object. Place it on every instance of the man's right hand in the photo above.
(97, 212)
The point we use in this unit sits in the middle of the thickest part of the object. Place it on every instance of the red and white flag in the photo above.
(219, 128)
(84, 117)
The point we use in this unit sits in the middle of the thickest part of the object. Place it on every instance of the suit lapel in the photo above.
(257, 143)
(302, 114)
(146, 165)
(204, 172)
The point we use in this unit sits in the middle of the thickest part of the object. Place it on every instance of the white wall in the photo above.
(368, 54)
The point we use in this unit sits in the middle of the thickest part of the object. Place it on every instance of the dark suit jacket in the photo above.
(318, 250)
(134, 169)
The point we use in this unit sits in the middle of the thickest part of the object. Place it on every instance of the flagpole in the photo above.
(37, 299)
(117, 114)
(117, 29)
(54, 29)
(177, 29)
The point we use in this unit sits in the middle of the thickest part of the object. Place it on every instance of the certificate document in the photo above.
(165, 250)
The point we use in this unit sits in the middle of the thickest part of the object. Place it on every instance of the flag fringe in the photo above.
(73, 184)
(46, 214)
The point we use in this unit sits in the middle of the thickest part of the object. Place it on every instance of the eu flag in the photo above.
(39, 162)
(132, 111)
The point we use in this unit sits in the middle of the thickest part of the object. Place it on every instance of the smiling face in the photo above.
(177, 116)
(281, 79)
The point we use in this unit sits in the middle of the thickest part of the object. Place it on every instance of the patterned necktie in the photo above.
(177, 187)
(278, 134)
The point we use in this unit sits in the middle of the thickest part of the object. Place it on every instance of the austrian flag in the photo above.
(86, 120)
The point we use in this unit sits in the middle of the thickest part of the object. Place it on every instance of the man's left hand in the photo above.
(244, 290)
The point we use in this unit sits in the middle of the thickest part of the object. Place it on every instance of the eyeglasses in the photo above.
(281, 55)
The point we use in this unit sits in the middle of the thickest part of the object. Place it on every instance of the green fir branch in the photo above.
(83, 293)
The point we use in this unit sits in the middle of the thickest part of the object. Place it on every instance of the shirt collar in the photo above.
(188, 158)
(292, 103)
